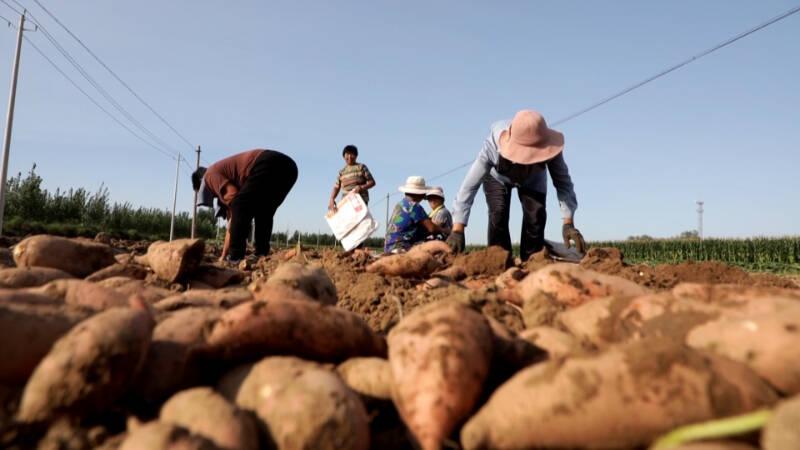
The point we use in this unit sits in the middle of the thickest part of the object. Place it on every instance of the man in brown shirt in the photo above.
(248, 185)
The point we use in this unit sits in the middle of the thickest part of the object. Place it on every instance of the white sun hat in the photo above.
(436, 191)
(414, 185)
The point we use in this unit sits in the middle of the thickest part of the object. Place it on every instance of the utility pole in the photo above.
(10, 120)
(386, 224)
(700, 219)
(175, 200)
(194, 205)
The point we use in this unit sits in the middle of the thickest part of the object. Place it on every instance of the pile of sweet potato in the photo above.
(166, 350)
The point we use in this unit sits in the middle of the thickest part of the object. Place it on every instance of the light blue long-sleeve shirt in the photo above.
(486, 163)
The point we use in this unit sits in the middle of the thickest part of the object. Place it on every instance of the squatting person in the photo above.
(516, 155)
(250, 185)
(409, 223)
(439, 214)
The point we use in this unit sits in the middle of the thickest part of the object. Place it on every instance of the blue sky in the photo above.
(416, 85)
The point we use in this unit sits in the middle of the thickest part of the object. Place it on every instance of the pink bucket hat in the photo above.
(528, 140)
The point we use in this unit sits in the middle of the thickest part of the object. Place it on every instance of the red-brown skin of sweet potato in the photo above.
(292, 327)
(31, 324)
(440, 356)
(90, 367)
(23, 277)
(620, 398)
(78, 257)
(83, 293)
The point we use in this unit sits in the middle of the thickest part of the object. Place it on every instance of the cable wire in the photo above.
(97, 58)
(64, 74)
(679, 65)
(14, 9)
(654, 77)
(9, 22)
(100, 88)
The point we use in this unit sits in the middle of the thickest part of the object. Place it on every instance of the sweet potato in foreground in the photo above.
(31, 324)
(311, 280)
(781, 431)
(23, 277)
(370, 377)
(218, 298)
(767, 343)
(301, 404)
(170, 364)
(90, 367)
(623, 397)
(173, 261)
(570, 285)
(419, 262)
(82, 293)
(292, 327)
(206, 413)
(165, 436)
(78, 257)
(440, 356)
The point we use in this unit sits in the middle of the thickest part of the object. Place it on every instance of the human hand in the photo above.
(456, 241)
(332, 205)
(570, 234)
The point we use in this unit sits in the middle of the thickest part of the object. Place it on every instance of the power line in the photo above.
(97, 58)
(9, 22)
(64, 74)
(679, 65)
(12, 8)
(100, 88)
(656, 76)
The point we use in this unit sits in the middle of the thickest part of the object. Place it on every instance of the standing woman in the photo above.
(354, 177)
(251, 185)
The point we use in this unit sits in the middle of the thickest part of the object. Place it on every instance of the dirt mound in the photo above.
(665, 276)
(492, 262)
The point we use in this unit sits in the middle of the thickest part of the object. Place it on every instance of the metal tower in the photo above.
(700, 219)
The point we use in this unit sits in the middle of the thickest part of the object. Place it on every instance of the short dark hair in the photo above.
(197, 177)
(350, 149)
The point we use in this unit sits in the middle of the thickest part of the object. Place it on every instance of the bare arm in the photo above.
(431, 227)
(332, 201)
(226, 245)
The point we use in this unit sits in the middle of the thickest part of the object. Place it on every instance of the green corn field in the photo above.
(769, 254)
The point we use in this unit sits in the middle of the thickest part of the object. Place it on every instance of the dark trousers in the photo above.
(270, 179)
(534, 216)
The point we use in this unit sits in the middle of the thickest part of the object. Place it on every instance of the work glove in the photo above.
(456, 241)
(570, 234)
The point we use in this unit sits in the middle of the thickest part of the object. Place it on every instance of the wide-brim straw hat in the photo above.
(436, 191)
(529, 141)
(414, 185)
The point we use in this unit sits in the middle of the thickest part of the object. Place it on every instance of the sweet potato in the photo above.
(767, 343)
(292, 327)
(130, 270)
(277, 292)
(221, 298)
(509, 351)
(301, 404)
(570, 285)
(419, 262)
(311, 280)
(715, 445)
(781, 431)
(206, 413)
(129, 286)
(165, 436)
(510, 278)
(370, 377)
(216, 277)
(170, 364)
(173, 261)
(74, 256)
(89, 367)
(555, 342)
(82, 293)
(22, 277)
(439, 356)
(623, 397)
(30, 324)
